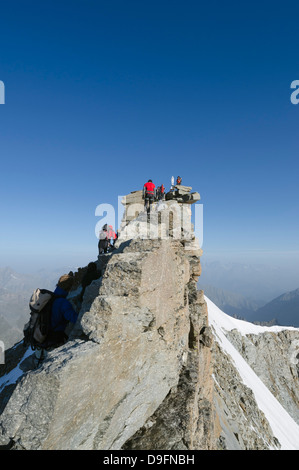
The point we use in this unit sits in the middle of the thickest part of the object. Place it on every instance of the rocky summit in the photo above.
(151, 363)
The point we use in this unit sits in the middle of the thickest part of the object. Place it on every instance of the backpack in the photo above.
(37, 329)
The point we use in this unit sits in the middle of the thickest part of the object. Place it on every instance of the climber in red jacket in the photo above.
(161, 192)
(149, 194)
(112, 237)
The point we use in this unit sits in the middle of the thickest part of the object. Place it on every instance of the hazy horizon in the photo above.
(256, 275)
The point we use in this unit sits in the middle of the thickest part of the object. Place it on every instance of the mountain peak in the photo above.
(151, 363)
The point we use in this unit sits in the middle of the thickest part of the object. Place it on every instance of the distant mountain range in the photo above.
(284, 309)
(258, 282)
(232, 303)
(254, 292)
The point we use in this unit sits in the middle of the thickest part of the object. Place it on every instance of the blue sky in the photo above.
(101, 96)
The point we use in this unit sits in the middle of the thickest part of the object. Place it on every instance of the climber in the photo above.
(103, 240)
(179, 180)
(91, 274)
(62, 314)
(62, 310)
(112, 237)
(161, 192)
(149, 194)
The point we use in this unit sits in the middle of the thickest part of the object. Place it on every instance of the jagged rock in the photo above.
(144, 368)
(194, 197)
(242, 425)
(133, 198)
(183, 195)
(134, 204)
(136, 319)
(270, 356)
(185, 419)
(181, 189)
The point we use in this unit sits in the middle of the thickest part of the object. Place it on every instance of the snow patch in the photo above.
(284, 428)
(12, 376)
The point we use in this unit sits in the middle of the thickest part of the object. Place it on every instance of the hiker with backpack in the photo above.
(103, 240)
(50, 314)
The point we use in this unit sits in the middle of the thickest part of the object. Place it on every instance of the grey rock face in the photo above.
(97, 392)
(273, 358)
(142, 369)
(185, 419)
(242, 425)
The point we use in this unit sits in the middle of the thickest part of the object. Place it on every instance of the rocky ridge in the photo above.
(142, 368)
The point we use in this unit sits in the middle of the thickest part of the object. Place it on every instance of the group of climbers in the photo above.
(151, 193)
(107, 238)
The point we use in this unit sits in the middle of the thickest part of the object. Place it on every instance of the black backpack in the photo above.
(36, 331)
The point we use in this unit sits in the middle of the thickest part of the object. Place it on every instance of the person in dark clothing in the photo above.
(161, 192)
(91, 274)
(103, 240)
(62, 314)
(62, 310)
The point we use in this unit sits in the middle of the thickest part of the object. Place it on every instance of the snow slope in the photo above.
(284, 428)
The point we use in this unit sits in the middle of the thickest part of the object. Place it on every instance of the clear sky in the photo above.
(101, 96)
